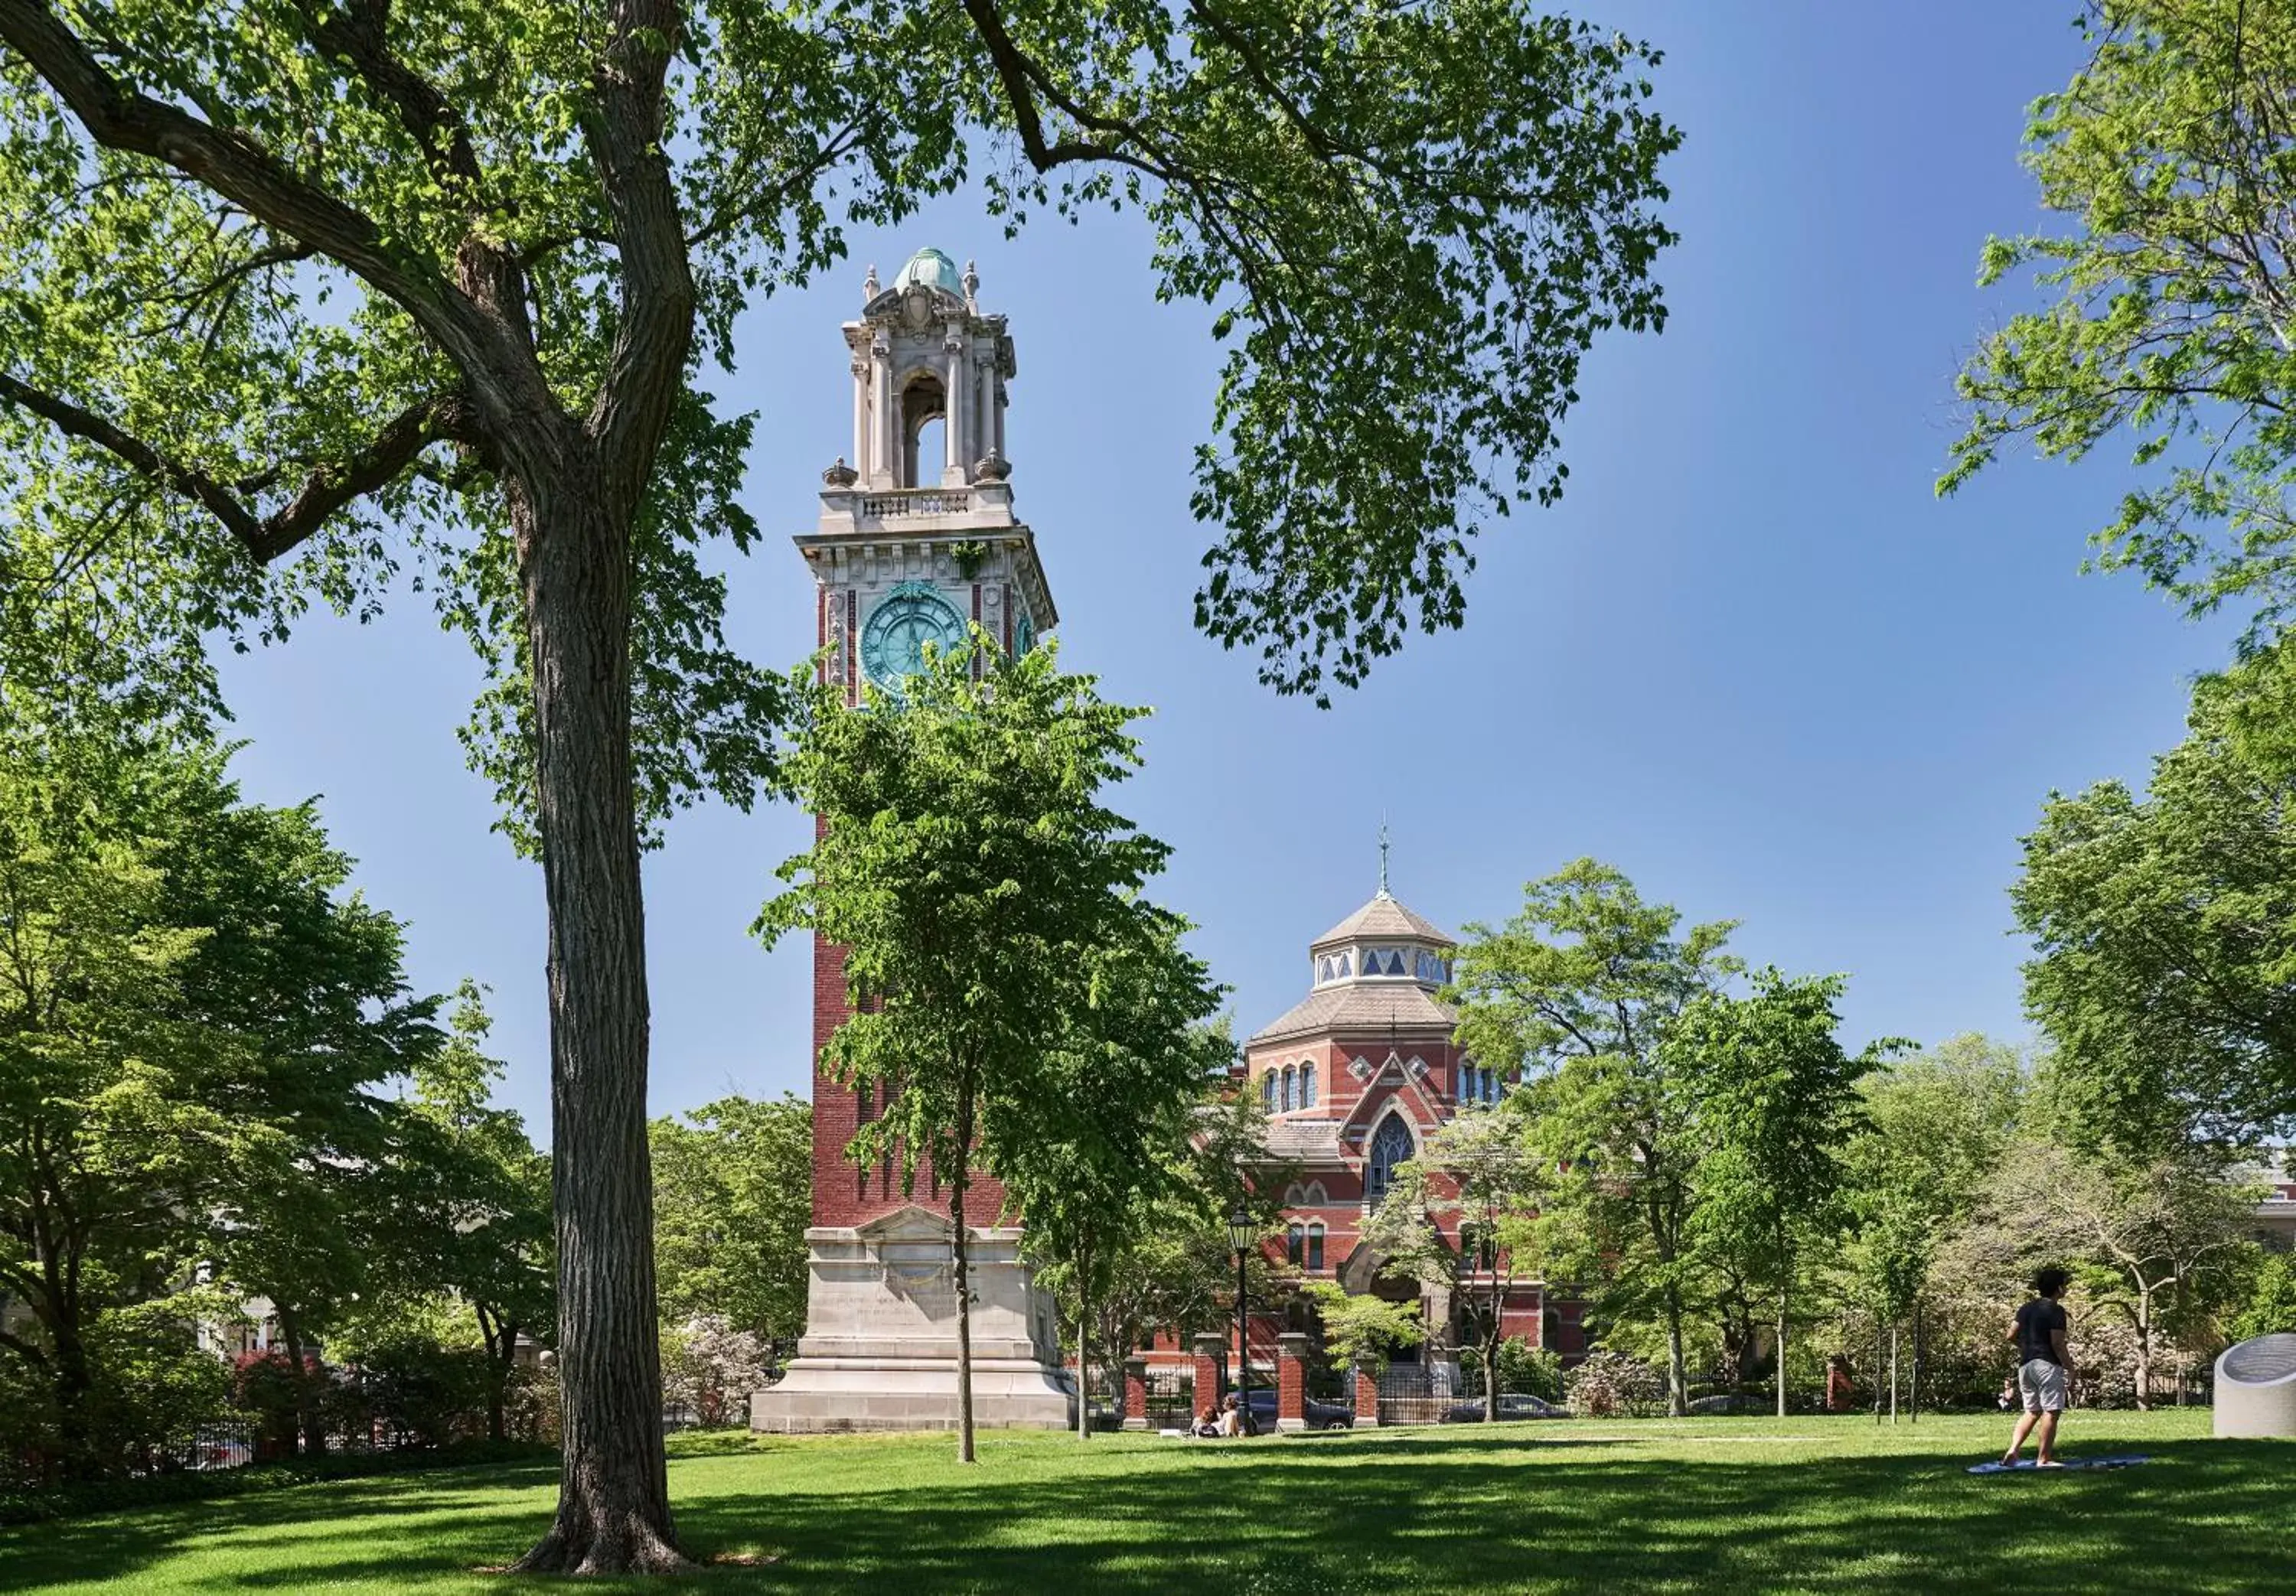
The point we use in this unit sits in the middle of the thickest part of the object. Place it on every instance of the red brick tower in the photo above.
(916, 539)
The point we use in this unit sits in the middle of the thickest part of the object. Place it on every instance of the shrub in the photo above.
(1611, 1384)
(708, 1369)
(2270, 1307)
(418, 1393)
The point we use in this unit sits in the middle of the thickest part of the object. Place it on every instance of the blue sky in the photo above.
(1750, 659)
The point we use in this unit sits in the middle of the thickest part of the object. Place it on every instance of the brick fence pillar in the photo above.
(1210, 1348)
(1135, 1393)
(1368, 1390)
(1292, 1380)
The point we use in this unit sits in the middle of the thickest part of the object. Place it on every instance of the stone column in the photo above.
(996, 409)
(1135, 1392)
(1366, 1390)
(888, 458)
(1209, 1346)
(984, 405)
(952, 429)
(864, 449)
(1292, 1380)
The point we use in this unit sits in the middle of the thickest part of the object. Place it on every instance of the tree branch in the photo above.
(646, 367)
(327, 488)
(239, 170)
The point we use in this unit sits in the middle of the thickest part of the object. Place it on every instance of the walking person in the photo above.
(2044, 1367)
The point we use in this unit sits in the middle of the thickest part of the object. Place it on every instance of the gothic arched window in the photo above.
(1286, 1094)
(1390, 1145)
(1267, 1090)
(1294, 1244)
(1314, 1248)
(1466, 1083)
(1306, 1085)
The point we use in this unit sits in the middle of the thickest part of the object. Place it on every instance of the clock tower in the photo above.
(916, 539)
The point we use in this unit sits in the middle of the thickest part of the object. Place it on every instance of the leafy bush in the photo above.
(2270, 1308)
(1611, 1384)
(1523, 1370)
(149, 1388)
(419, 1393)
(530, 1404)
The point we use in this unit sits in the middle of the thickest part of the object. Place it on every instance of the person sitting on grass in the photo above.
(1231, 1422)
(1208, 1424)
(2042, 1362)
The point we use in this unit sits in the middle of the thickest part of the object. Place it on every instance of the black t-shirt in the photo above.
(2035, 1321)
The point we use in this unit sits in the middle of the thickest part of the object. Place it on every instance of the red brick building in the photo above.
(1356, 1078)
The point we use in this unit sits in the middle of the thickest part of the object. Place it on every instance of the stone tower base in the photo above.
(880, 1344)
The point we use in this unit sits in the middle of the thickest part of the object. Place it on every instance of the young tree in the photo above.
(1480, 1173)
(2164, 930)
(1932, 1132)
(1107, 1161)
(1775, 1096)
(1360, 1322)
(1177, 1272)
(984, 895)
(732, 1196)
(276, 283)
(2166, 162)
(474, 1209)
(1585, 985)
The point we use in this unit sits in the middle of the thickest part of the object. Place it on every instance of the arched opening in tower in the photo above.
(924, 417)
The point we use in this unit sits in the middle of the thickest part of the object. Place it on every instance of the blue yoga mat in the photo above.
(2027, 1465)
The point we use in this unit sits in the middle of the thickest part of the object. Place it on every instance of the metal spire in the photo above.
(1383, 856)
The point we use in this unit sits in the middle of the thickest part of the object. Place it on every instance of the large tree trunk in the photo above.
(613, 1501)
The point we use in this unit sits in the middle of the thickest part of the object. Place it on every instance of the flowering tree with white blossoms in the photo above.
(708, 1369)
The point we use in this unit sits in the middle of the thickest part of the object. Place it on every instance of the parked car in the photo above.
(1512, 1405)
(1320, 1415)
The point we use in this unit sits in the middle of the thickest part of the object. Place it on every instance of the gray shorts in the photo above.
(2042, 1385)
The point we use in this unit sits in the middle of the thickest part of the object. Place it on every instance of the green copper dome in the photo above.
(934, 269)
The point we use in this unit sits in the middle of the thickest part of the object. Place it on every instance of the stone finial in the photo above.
(840, 475)
(992, 467)
(971, 286)
(870, 287)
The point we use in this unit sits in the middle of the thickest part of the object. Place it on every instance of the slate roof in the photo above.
(1382, 917)
(1361, 1008)
(1303, 1139)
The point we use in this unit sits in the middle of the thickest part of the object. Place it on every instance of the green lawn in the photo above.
(1738, 1504)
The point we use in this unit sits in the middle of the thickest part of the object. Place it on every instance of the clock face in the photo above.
(893, 639)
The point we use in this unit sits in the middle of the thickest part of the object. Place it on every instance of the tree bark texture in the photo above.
(613, 1505)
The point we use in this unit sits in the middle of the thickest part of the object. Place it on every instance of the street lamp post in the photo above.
(1241, 1234)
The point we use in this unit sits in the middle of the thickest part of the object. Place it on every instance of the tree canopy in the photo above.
(2164, 932)
(2166, 162)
